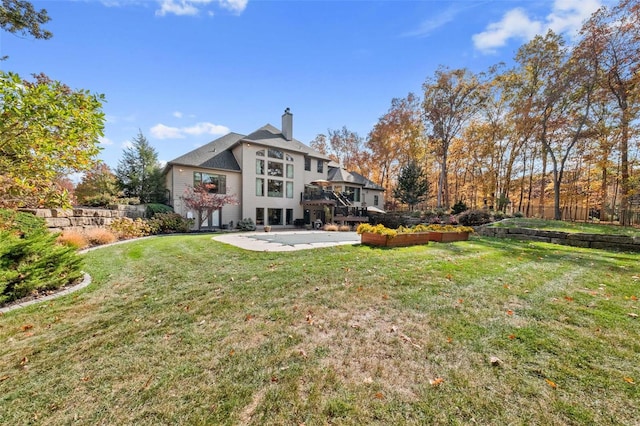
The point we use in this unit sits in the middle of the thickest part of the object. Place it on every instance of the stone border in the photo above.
(86, 280)
(595, 241)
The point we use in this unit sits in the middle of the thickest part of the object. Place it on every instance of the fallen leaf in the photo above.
(634, 298)
(86, 379)
(460, 300)
(506, 286)
(509, 312)
(303, 353)
(632, 315)
(449, 340)
(3, 378)
(385, 297)
(24, 361)
(26, 327)
(274, 379)
(628, 380)
(248, 317)
(552, 384)
(232, 352)
(512, 336)
(495, 361)
(449, 277)
(436, 382)
(379, 395)
(568, 298)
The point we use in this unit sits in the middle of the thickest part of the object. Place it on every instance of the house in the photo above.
(278, 180)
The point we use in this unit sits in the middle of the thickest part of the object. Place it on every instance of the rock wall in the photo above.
(81, 219)
(597, 241)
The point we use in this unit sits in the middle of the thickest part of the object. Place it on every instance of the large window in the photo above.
(375, 200)
(259, 167)
(289, 189)
(353, 193)
(260, 187)
(289, 157)
(275, 169)
(307, 164)
(275, 216)
(260, 216)
(217, 184)
(289, 217)
(289, 171)
(275, 153)
(274, 188)
(320, 166)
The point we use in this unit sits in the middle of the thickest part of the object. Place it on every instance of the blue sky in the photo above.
(186, 72)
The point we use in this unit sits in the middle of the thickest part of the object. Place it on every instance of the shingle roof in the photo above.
(338, 174)
(214, 155)
(217, 154)
(270, 136)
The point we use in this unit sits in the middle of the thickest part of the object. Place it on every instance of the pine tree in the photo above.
(412, 185)
(139, 173)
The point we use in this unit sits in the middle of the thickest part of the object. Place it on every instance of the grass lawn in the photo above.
(565, 226)
(186, 330)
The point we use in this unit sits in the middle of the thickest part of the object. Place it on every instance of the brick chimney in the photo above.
(287, 124)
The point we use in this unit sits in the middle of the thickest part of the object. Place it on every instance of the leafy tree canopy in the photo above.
(20, 17)
(47, 130)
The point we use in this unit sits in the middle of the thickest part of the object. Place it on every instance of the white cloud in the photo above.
(514, 24)
(193, 7)
(206, 128)
(566, 16)
(177, 114)
(237, 6)
(161, 131)
(181, 7)
(105, 141)
(435, 22)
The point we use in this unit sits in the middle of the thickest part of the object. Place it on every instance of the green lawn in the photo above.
(186, 330)
(564, 226)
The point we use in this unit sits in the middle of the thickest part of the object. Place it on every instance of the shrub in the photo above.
(168, 223)
(126, 228)
(518, 214)
(459, 207)
(331, 227)
(30, 259)
(156, 208)
(498, 215)
(100, 200)
(101, 236)
(72, 239)
(344, 228)
(474, 217)
(247, 225)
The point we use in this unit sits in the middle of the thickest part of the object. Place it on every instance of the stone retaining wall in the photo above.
(597, 241)
(81, 219)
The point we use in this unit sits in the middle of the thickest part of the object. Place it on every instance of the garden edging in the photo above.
(595, 241)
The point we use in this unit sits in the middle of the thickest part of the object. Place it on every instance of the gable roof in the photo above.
(214, 155)
(270, 136)
(338, 174)
(217, 153)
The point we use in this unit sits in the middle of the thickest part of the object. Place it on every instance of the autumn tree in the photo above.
(395, 139)
(616, 34)
(98, 186)
(412, 187)
(451, 99)
(139, 173)
(204, 200)
(47, 130)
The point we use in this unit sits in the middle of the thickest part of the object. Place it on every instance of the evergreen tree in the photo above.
(412, 185)
(139, 173)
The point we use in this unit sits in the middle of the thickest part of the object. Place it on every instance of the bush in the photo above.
(101, 200)
(247, 225)
(30, 259)
(331, 227)
(101, 236)
(73, 239)
(156, 208)
(518, 214)
(169, 223)
(474, 217)
(126, 228)
(344, 228)
(459, 207)
(498, 215)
